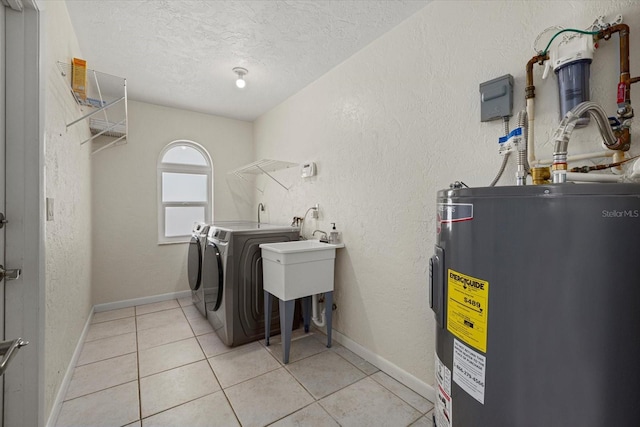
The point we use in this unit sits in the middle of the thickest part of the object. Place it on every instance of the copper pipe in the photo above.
(625, 77)
(634, 80)
(530, 88)
(587, 169)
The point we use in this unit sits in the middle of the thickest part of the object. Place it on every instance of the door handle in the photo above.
(8, 349)
(12, 274)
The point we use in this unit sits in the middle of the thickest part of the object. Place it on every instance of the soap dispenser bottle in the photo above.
(334, 235)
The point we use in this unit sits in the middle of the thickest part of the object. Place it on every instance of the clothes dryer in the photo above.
(232, 279)
(194, 264)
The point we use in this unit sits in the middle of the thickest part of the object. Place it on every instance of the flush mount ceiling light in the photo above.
(241, 72)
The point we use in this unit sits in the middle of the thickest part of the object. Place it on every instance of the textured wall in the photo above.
(68, 182)
(397, 122)
(127, 260)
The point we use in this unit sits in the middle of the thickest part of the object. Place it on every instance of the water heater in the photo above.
(536, 295)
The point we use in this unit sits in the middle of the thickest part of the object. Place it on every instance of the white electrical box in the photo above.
(308, 169)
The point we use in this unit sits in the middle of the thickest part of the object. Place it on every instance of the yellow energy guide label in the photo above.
(468, 309)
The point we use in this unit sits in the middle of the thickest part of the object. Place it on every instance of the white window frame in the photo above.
(189, 169)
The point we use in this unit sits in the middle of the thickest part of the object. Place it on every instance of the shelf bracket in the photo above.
(263, 167)
(271, 176)
(92, 113)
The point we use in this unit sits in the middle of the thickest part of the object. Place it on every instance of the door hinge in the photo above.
(3, 220)
(12, 274)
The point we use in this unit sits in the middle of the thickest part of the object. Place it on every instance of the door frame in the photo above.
(24, 385)
(2, 183)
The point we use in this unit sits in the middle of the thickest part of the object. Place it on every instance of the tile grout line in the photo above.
(243, 381)
(300, 409)
(261, 375)
(383, 386)
(399, 397)
(177, 366)
(140, 418)
(206, 359)
(353, 364)
(98, 391)
(285, 366)
(235, 414)
(108, 336)
(315, 400)
(110, 320)
(178, 405)
(105, 359)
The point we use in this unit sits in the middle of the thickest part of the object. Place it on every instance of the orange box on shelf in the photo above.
(79, 78)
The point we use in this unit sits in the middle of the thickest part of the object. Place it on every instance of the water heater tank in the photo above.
(536, 294)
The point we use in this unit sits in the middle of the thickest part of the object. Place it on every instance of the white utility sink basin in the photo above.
(298, 269)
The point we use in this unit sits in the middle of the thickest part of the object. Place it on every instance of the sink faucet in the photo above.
(323, 236)
(260, 208)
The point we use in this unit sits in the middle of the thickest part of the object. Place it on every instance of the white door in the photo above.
(21, 184)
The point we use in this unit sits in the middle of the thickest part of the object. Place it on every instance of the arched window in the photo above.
(185, 190)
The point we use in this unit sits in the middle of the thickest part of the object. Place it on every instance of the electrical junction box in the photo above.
(496, 98)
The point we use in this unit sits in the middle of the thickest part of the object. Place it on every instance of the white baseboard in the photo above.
(425, 390)
(62, 391)
(139, 301)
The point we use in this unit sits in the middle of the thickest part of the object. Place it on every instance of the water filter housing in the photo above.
(573, 87)
(535, 292)
(571, 62)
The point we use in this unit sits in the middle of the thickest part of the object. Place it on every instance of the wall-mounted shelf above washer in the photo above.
(107, 103)
(263, 167)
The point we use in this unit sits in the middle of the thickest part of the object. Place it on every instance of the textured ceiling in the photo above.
(180, 53)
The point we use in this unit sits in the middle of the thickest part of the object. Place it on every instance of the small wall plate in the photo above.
(307, 169)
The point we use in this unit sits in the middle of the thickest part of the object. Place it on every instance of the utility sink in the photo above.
(298, 269)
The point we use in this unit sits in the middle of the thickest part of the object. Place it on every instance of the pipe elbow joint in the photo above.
(623, 140)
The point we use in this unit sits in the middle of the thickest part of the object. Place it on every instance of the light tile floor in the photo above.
(161, 365)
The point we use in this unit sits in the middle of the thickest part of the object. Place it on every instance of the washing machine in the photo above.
(232, 279)
(194, 264)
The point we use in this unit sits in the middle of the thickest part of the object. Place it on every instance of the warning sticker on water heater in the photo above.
(469, 369)
(444, 405)
(468, 309)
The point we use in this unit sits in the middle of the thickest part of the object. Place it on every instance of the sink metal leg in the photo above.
(306, 312)
(267, 317)
(286, 325)
(328, 312)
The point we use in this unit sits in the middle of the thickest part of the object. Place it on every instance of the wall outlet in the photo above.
(49, 209)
